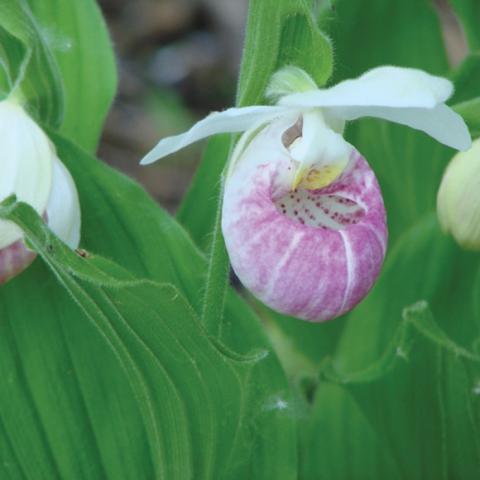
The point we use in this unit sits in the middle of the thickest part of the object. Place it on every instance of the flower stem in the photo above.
(217, 276)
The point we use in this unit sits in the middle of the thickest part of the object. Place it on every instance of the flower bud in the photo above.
(30, 169)
(458, 200)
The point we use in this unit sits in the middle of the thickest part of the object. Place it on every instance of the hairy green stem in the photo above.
(217, 275)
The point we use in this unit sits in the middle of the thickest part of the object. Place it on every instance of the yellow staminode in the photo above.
(320, 154)
(314, 178)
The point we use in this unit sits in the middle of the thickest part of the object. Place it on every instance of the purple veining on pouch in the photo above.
(313, 254)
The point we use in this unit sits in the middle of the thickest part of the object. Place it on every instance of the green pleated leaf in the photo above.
(425, 264)
(74, 366)
(402, 375)
(67, 409)
(160, 249)
(413, 413)
(339, 443)
(420, 399)
(191, 392)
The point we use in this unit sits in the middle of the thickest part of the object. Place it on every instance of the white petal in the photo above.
(441, 122)
(381, 87)
(229, 121)
(26, 162)
(63, 209)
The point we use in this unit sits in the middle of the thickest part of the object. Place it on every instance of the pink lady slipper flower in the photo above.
(303, 216)
(30, 169)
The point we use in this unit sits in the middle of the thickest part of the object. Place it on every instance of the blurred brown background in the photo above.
(178, 60)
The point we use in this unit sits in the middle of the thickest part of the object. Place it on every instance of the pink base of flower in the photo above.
(13, 260)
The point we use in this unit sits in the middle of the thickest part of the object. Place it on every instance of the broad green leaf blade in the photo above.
(338, 442)
(59, 55)
(410, 429)
(67, 409)
(404, 374)
(425, 264)
(32, 66)
(460, 394)
(191, 392)
(77, 37)
(161, 250)
(476, 307)
(423, 407)
(272, 431)
(151, 245)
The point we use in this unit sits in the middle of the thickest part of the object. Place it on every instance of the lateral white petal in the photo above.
(63, 209)
(441, 122)
(380, 87)
(25, 164)
(229, 121)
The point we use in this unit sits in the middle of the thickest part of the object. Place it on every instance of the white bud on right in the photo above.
(458, 200)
